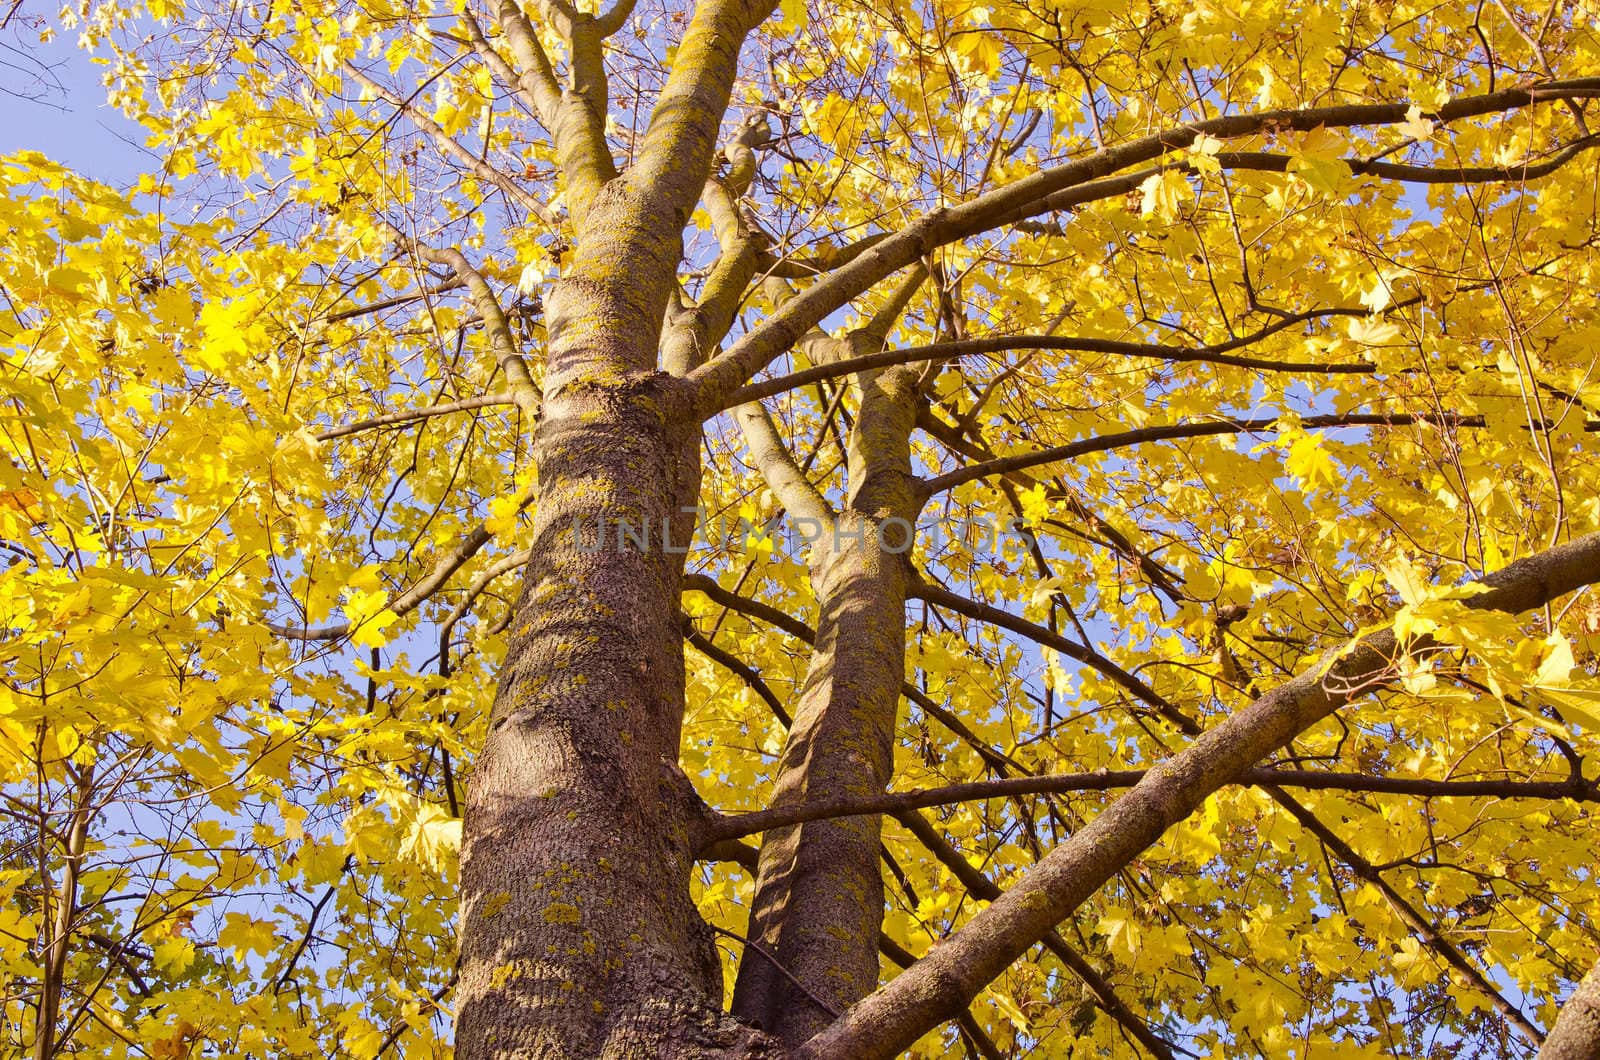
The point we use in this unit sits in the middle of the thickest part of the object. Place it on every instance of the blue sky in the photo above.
(51, 100)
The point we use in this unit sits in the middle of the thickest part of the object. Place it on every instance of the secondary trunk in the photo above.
(818, 905)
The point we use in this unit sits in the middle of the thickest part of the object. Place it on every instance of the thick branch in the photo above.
(576, 120)
(698, 329)
(1052, 189)
(540, 94)
(904, 958)
(608, 22)
(893, 1017)
(676, 153)
(895, 802)
(1262, 161)
(1103, 443)
(778, 467)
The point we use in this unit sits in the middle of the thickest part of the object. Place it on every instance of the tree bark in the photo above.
(1576, 1034)
(818, 906)
(578, 935)
(579, 938)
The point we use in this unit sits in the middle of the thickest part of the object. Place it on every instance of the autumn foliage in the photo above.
(1229, 369)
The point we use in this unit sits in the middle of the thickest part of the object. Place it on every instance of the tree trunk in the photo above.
(579, 938)
(1576, 1034)
(578, 935)
(818, 906)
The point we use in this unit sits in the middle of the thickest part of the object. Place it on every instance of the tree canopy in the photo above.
(1033, 528)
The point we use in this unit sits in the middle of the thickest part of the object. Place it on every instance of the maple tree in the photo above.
(810, 529)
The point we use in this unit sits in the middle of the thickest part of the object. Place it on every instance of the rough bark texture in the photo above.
(578, 811)
(1576, 1034)
(818, 906)
(578, 935)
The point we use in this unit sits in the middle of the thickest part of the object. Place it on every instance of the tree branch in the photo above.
(940, 597)
(748, 674)
(695, 330)
(893, 802)
(390, 303)
(1408, 913)
(512, 365)
(893, 1017)
(389, 419)
(540, 94)
(412, 598)
(576, 124)
(905, 959)
(778, 467)
(451, 147)
(955, 437)
(608, 22)
(1105, 442)
(498, 569)
(1217, 354)
(1527, 170)
(1051, 189)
